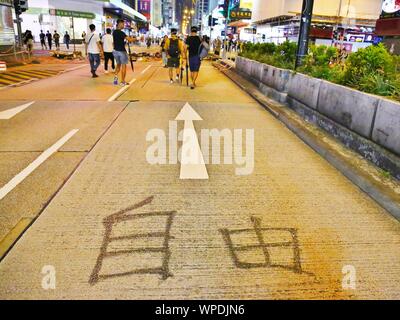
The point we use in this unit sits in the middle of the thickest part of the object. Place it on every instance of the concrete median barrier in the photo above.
(304, 89)
(353, 109)
(365, 123)
(386, 130)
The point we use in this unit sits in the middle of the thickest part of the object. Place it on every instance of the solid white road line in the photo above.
(8, 114)
(120, 91)
(73, 69)
(35, 164)
(147, 68)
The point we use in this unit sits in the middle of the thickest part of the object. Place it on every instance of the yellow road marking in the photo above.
(6, 82)
(14, 78)
(22, 76)
(44, 72)
(33, 75)
(13, 235)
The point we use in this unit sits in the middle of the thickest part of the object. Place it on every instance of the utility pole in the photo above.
(73, 33)
(228, 13)
(305, 24)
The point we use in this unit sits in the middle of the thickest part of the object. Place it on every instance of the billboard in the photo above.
(241, 9)
(246, 4)
(144, 7)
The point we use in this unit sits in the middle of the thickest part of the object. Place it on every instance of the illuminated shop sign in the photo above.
(390, 9)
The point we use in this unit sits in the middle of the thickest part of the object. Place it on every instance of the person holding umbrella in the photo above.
(119, 53)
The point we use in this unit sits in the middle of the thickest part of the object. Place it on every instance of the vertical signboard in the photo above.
(144, 7)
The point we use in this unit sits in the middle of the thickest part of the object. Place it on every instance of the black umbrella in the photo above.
(130, 53)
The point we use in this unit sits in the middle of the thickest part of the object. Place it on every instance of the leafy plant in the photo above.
(372, 69)
(367, 61)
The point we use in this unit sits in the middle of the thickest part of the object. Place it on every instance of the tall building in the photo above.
(156, 13)
(201, 9)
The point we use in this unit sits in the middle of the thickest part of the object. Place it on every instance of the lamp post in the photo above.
(305, 24)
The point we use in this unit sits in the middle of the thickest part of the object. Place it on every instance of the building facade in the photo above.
(75, 16)
(354, 20)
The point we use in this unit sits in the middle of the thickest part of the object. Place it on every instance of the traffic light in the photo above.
(212, 21)
(20, 6)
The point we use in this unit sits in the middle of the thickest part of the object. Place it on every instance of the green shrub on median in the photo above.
(372, 69)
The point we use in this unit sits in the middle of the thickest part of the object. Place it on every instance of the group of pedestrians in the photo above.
(113, 47)
(191, 51)
(46, 39)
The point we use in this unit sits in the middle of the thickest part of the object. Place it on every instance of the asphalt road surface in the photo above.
(101, 221)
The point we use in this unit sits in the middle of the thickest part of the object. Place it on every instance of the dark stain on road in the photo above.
(122, 216)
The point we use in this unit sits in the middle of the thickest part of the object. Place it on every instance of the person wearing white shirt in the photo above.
(93, 49)
(108, 47)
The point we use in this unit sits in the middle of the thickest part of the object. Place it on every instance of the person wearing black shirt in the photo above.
(49, 39)
(193, 43)
(67, 39)
(42, 37)
(120, 54)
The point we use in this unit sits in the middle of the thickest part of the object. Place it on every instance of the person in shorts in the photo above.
(119, 53)
(193, 43)
(175, 50)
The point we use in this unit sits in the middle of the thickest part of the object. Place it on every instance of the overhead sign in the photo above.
(144, 7)
(241, 9)
(240, 14)
(70, 13)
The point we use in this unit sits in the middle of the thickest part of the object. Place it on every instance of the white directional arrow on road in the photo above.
(192, 161)
(8, 114)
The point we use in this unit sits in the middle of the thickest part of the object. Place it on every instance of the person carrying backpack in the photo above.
(175, 50)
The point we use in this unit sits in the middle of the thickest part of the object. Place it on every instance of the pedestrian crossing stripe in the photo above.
(15, 77)
(42, 72)
(33, 75)
(22, 76)
(4, 82)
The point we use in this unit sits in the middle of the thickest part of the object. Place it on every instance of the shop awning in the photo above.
(126, 10)
(388, 27)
